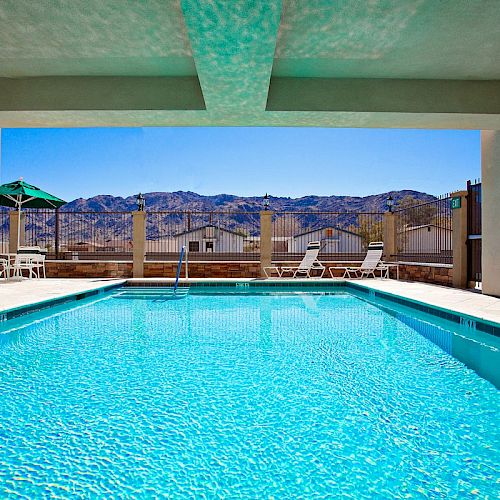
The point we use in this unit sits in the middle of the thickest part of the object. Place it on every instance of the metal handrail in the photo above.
(179, 266)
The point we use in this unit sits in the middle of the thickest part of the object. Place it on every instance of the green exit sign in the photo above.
(456, 202)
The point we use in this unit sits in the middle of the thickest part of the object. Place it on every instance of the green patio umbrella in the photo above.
(20, 194)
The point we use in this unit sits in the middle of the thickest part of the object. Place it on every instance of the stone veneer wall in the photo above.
(203, 269)
(87, 269)
(427, 273)
(103, 269)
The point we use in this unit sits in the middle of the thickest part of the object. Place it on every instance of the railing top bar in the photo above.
(52, 211)
(201, 212)
(313, 212)
(437, 201)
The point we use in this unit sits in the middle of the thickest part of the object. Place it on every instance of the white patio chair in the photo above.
(31, 259)
(309, 263)
(4, 268)
(369, 265)
(38, 263)
(24, 262)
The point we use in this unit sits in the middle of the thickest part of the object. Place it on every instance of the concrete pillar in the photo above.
(266, 244)
(390, 237)
(14, 219)
(459, 240)
(139, 243)
(490, 162)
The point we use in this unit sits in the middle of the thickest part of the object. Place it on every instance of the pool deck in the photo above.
(15, 294)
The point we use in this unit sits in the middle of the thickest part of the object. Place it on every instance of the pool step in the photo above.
(152, 293)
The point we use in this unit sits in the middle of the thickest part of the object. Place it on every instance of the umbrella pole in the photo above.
(18, 222)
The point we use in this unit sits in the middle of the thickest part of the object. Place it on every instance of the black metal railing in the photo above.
(81, 235)
(474, 231)
(213, 235)
(344, 236)
(424, 232)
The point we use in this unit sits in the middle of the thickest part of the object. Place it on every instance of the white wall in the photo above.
(334, 241)
(427, 240)
(223, 241)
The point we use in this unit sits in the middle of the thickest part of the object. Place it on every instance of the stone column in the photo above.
(266, 244)
(14, 219)
(139, 243)
(490, 163)
(390, 237)
(459, 240)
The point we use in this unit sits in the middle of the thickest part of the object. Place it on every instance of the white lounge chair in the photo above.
(309, 263)
(369, 265)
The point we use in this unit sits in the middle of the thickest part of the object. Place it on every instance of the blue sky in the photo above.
(292, 162)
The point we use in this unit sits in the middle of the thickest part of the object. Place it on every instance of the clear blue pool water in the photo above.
(253, 396)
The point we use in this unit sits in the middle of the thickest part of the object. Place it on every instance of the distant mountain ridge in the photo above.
(187, 200)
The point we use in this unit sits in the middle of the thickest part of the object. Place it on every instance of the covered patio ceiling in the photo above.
(328, 63)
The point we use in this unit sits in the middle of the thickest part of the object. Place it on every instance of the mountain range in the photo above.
(91, 226)
(187, 200)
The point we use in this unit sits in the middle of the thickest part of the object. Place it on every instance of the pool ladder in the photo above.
(161, 293)
(179, 267)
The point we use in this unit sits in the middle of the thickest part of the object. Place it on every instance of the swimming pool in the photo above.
(264, 393)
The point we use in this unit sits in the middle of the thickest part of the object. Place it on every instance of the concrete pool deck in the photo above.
(15, 294)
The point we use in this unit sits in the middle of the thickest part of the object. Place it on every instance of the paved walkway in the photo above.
(20, 293)
(15, 293)
(461, 301)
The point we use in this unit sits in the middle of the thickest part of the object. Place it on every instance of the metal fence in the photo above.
(208, 235)
(81, 235)
(228, 235)
(424, 232)
(344, 236)
(474, 231)
(4, 231)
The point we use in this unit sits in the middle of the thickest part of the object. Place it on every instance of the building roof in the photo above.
(413, 228)
(327, 227)
(208, 225)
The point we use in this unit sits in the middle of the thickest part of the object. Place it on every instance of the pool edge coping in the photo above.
(21, 310)
(487, 326)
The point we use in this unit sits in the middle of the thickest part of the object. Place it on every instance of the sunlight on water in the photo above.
(252, 396)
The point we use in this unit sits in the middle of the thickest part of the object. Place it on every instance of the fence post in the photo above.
(14, 219)
(266, 246)
(459, 238)
(139, 243)
(390, 236)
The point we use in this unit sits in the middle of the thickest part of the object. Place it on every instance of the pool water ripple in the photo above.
(240, 396)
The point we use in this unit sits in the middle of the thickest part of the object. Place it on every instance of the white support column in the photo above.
(490, 163)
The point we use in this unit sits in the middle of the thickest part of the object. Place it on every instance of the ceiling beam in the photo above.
(233, 45)
(384, 95)
(61, 93)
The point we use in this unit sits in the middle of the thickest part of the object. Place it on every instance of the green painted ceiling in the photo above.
(335, 63)
(433, 39)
